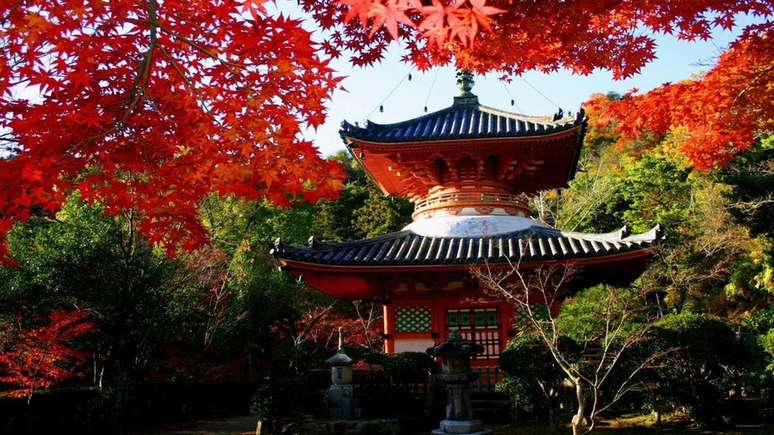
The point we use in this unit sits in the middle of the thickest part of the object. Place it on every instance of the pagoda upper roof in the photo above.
(407, 248)
(465, 119)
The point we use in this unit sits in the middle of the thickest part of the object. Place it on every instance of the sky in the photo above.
(369, 87)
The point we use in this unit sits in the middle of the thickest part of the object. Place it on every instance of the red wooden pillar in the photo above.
(388, 315)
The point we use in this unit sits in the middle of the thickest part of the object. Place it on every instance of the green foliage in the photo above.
(751, 174)
(752, 274)
(767, 343)
(522, 393)
(760, 321)
(698, 336)
(381, 214)
(705, 362)
(234, 223)
(596, 312)
(258, 305)
(707, 261)
(95, 263)
(593, 202)
(361, 210)
(533, 380)
(334, 218)
(656, 190)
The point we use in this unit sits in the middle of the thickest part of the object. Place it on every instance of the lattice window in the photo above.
(413, 319)
(521, 318)
(479, 325)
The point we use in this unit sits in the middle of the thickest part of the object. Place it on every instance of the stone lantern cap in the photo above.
(340, 359)
(455, 346)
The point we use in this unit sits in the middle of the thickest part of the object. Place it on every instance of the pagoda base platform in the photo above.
(462, 427)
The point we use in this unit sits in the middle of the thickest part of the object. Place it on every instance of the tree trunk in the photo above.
(579, 418)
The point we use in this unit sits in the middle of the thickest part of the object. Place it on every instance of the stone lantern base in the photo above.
(462, 427)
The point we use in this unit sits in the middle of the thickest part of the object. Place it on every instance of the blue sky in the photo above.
(368, 87)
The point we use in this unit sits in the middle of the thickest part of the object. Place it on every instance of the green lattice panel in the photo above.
(471, 318)
(412, 319)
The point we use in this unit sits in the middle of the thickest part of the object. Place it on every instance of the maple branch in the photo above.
(140, 80)
(201, 49)
(750, 206)
(143, 69)
(179, 70)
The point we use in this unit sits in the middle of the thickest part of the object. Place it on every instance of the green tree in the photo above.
(251, 305)
(607, 325)
(361, 210)
(381, 214)
(86, 260)
(751, 176)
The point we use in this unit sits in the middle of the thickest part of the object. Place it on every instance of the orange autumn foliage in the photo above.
(721, 110)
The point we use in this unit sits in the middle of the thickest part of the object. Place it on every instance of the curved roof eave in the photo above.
(461, 122)
(408, 249)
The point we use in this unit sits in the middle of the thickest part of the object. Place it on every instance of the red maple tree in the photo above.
(721, 110)
(38, 358)
(514, 37)
(322, 326)
(150, 106)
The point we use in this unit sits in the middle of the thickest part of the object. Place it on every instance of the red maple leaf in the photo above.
(389, 14)
(481, 12)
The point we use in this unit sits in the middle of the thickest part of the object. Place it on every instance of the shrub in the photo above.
(704, 371)
(284, 397)
(533, 381)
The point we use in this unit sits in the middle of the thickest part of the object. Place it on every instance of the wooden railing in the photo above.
(464, 198)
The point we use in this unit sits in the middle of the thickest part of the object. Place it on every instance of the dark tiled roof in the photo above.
(405, 248)
(462, 121)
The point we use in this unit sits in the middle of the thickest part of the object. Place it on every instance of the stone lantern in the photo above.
(456, 374)
(341, 402)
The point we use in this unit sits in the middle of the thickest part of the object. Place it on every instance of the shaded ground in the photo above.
(244, 425)
(530, 429)
(636, 424)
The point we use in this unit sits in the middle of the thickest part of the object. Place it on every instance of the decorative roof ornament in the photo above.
(465, 82)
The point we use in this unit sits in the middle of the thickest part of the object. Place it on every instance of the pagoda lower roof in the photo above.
(462, 121)
(406, 248)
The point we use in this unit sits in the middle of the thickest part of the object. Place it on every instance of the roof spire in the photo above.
(465, 83)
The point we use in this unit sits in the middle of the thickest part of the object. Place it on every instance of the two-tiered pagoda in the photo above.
(467, 169)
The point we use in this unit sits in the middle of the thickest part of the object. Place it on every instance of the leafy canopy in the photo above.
(151, 106)
(722, 109)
